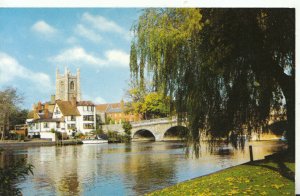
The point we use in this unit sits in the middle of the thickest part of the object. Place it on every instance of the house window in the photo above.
(57, 124)
(72, 118)
(46, 125)
(88, 126)
(57, 111)
(71, 126)
(88, 118)
(36, 126)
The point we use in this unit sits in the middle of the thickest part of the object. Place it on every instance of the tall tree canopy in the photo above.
(226, 68)
(9, 105)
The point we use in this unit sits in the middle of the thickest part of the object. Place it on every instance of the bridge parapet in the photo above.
(153, 121)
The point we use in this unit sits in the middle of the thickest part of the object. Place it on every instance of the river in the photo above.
(125, 169)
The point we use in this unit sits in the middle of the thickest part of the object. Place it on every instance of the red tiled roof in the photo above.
(85, 103)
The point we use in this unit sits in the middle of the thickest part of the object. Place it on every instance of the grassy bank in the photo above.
(267, 177)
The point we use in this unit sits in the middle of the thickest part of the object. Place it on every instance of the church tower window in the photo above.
(72, 85)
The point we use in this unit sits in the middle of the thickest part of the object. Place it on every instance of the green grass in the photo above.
(259, 178)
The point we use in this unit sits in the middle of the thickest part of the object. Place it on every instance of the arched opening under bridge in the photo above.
(143, 135)
(176, 133)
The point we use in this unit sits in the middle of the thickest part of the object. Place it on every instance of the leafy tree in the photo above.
(226, 68)
(155, 105)
(148, 104)
(127, 129)
(18, 116)
(9, 101)
(11, 173)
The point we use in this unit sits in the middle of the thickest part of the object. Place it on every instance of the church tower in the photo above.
(67, 86)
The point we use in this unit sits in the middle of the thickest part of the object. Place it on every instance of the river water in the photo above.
(125, 169)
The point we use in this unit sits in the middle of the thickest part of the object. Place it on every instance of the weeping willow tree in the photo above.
(226, 69)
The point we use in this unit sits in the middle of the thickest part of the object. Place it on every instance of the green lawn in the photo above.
(259, 178)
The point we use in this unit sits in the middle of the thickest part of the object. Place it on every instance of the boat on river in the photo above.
(96, 140)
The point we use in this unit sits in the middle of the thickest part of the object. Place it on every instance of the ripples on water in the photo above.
(125, 169)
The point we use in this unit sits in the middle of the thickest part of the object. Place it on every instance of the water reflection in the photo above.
(126, 169)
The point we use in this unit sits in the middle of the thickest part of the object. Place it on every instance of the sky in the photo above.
(36, 41)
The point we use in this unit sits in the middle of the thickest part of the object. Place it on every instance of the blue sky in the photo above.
(34, 42)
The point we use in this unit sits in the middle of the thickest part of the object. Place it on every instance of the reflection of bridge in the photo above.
(157, 129)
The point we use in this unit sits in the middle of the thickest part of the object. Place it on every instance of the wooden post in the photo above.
(251, 153)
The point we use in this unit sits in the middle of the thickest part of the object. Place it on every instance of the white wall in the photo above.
(48, 135)
(55, 113)
(83, 111)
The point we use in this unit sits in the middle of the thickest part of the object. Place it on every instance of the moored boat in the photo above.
(96, 140)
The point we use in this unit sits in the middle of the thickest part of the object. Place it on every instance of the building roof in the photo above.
(44, 116)
(85, 103)
(47, 120)
(101, 107)
(109, 108)
(114, 110)
(67, 108)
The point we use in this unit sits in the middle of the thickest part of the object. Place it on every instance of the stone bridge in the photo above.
(158, 129)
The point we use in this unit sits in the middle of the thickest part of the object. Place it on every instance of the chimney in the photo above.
(39, 106)
(46, 113)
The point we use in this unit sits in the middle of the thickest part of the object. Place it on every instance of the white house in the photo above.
(67, 117)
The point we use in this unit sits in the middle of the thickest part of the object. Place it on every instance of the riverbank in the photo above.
(35, 143)
(273, 176)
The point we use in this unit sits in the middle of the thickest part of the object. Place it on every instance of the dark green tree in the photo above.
(11, 172)
(127, 129)
(225, 68)
(19, 116)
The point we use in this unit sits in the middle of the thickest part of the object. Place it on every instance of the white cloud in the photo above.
(87, 33)
(99, 100)
(10, 70)
(43, 28)
(78, 55)
(102, 24)
(117, 56)
(95, 100)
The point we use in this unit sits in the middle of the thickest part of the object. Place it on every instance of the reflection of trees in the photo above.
(150, 172)
(69, 184)
(12, 170)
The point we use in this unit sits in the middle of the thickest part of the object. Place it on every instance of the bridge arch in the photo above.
(177, 132)
(143, 134)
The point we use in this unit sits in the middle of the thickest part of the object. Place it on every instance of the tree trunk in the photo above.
(287, 84)
(290, 102)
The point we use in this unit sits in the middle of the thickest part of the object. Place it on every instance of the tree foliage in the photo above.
(226, 68)
(11, 173)
(18, 116)
(9, 105)
(148, 103)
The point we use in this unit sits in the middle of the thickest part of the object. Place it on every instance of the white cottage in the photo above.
(68, 117)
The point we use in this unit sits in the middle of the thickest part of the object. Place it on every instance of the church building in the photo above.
(65, 113)
(67, 86)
